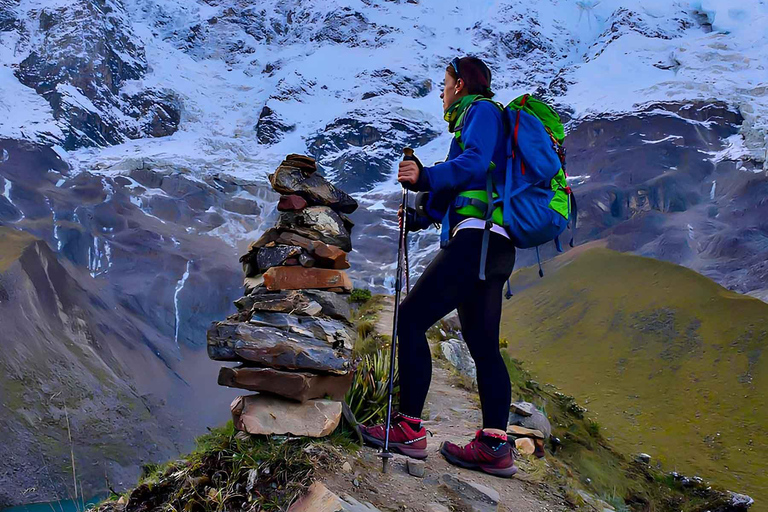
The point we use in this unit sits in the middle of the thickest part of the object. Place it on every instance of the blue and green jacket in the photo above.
(482, 133)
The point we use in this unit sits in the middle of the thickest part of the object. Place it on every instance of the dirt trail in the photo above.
(454, 416)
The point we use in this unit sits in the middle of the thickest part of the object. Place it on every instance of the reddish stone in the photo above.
(298, 278)
(329, 255)
(291, 203)
(336, 290)
(289, 238)
(291, 262)
(299, 386)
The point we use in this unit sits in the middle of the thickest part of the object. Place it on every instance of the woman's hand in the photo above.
(408, 172)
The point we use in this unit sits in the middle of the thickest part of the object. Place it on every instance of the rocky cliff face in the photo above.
(82, 58)
(104, 305)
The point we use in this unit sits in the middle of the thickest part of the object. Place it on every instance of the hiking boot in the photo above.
(487, 453)
(406, 436)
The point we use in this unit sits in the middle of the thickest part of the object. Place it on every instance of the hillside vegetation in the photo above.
(12, 244)
(669, 362)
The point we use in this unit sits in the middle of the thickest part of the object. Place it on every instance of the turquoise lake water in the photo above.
(55, 506)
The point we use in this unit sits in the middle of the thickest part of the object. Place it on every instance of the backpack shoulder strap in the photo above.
(460, 120)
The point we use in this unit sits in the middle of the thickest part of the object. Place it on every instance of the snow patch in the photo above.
(99, 256)
(179, 288)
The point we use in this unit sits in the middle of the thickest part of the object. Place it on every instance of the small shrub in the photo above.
(368, 396)
(360, 295)
(593, 428)
(503, 342)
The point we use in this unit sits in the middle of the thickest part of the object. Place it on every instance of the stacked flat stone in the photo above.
(292, 334)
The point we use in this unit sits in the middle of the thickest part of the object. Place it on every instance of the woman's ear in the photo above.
(459, 85)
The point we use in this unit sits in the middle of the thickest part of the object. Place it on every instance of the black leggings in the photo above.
(451, 282)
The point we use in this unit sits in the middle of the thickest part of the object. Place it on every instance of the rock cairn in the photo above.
(292, 333)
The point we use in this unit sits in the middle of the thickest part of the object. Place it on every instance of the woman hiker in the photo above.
(452, 280)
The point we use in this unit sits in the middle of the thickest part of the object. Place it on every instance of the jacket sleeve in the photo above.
(479, 135)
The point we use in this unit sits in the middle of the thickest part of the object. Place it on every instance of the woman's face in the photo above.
(452, 90)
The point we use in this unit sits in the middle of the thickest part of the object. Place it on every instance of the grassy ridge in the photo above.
(12, 244)
(668, 361)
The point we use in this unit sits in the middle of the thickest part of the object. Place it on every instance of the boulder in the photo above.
(244, 303)
(457, 353)
(313, 309)
(519, 431)
(291, 180)
(319, 499)
(268, 257)
(250, 284)
(524, 445)
(333, 331)
(289, 238)
(304, 162)
(281, 302)
(329, 256)
(268, 415)
(299, 386)
(317, 223)
(299, 278)
(296, 301)
(276, 348)
(416, 467)
(291, 203)
(535, 419)
(306, 261)
(348, 224)
(643, 458)
(474, 497)
(334, 305)
(523, 408)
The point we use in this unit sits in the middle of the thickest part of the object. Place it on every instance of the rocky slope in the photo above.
(104, 300)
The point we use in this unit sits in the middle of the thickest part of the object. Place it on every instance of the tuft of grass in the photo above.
(366, 328)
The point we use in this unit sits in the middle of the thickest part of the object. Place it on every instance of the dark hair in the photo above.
(475, 74)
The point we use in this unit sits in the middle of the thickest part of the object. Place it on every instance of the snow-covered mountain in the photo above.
(136, 135)
(231, 86)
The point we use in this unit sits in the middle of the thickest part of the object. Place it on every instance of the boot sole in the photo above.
(402, 449)
(500, 472)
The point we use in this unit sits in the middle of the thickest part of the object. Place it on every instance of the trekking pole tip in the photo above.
(385, 456)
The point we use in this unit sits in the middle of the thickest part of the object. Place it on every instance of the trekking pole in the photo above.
(401, 248)
(405, 257)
